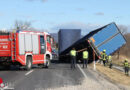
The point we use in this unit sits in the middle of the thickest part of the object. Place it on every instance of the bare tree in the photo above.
(22, 25)
(123, 29)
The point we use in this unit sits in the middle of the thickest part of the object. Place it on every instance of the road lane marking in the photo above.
(8, 88)
(82, 71)
(29, 72)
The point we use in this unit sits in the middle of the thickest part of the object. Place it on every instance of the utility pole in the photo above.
(118, 54)
(94, 62)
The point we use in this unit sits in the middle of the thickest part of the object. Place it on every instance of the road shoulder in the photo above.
(115, 76)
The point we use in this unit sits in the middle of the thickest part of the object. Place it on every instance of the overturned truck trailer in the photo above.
(107, 37)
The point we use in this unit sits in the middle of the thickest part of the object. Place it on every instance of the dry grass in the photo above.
(119, 61)
(125, 49)
(114, 75)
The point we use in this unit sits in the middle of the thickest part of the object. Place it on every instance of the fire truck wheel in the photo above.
(29, 63)
(47, 62)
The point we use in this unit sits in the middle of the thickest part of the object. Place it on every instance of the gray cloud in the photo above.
(124, 28)
(52, 14)
(99, 13)
(80, 9)
(44, 0)
(128, 27)
(26, 16)
(119, 17)
(86, 28)
(34, 21)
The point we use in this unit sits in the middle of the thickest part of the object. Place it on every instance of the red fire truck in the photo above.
(26, 48)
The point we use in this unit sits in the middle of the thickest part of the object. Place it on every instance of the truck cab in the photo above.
(26, 48)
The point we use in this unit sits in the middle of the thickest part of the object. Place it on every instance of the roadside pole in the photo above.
(94, 63)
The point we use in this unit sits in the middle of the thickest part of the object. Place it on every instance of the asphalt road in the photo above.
(58, 75)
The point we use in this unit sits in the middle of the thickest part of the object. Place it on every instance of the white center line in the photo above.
(82, 71)
(29, 72)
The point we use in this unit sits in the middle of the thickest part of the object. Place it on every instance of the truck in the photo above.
(108, 37)
(25, 48)
(67, 37)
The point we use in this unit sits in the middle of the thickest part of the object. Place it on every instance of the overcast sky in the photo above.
(55, 14)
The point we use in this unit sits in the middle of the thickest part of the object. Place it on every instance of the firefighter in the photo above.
(107, 60)
(73, 58)
(126, 67)
(104, 57)
(100, 59)
(85, 58)
(110, 61)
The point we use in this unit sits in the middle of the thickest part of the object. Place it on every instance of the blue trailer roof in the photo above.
(113, 44)
(105, 33)
(109, 38)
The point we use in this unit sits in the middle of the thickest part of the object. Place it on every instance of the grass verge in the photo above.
(114, 74)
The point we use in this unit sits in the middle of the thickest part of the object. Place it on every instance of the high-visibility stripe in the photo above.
(73, 53)
(85, 54)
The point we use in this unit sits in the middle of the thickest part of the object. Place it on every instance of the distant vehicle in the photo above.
(25, 48)
(54, 54)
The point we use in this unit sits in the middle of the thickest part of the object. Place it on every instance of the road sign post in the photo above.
(94, 63)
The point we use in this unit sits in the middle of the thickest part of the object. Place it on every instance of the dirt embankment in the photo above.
(119, 61)
(126, 48)
(114, 75)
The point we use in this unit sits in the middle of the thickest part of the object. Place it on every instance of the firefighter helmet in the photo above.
(126, 59)
(104, 50)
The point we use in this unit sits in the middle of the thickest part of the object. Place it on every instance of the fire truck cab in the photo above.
(26, 48)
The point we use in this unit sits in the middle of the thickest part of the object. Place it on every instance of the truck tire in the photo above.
(48, 62)
(29, 63)
(7, 67)
(40, 66)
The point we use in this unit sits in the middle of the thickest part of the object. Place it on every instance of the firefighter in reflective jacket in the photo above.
(110, 61)
(85, 58)
(73, 58)
(126, 67)
(104, 57)
(100, 59)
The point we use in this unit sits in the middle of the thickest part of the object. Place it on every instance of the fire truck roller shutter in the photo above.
(35, 44)
(28, 42)
(21, 44)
